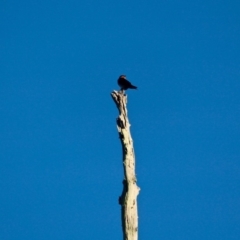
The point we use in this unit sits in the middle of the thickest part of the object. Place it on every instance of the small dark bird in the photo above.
(124, 83)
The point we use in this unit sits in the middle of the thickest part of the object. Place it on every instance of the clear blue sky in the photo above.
(60, 156)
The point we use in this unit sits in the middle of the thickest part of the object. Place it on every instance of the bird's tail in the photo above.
(133, 87)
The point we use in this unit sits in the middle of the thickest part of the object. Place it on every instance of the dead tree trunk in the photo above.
(128, 199)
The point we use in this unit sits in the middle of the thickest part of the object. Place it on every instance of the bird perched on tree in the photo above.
(124, 83)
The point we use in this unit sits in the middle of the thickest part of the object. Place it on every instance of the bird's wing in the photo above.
(127, 82)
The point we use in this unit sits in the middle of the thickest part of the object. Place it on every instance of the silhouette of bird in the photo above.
(124, 83)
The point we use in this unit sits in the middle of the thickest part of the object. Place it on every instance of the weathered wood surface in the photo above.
(128, 199)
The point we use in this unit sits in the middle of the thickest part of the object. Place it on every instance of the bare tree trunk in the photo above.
(128, 199)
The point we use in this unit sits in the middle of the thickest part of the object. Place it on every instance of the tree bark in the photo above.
(128, 199)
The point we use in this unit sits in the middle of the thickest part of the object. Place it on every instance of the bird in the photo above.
(124, 83)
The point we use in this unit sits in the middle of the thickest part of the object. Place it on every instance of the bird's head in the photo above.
(123, 76)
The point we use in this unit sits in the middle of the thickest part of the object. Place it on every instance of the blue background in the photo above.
(60, 156)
